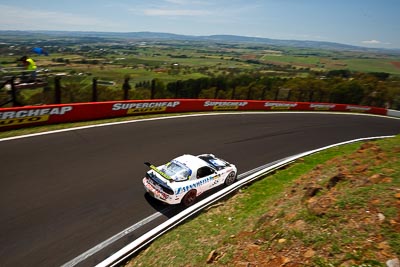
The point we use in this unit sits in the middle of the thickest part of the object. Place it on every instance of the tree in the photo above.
(160, 90)
(339, 73)
(348, 92)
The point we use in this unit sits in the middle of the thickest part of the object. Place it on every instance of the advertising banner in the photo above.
(27, 116)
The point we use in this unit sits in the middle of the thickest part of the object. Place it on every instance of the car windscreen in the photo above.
(218, 162)
(214, 162)
(177, 171)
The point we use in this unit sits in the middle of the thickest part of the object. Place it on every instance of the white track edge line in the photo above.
(188, 115)
(112, 239)
(148, 237)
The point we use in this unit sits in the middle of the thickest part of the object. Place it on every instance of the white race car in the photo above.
(184, 178)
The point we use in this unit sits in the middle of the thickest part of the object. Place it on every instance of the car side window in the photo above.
(204, 171)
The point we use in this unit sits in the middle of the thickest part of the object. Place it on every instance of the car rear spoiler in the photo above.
(163, 174)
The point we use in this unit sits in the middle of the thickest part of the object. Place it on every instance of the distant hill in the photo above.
(290, 43)
(213, 38)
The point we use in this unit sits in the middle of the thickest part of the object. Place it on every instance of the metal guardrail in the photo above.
(393, 113)
(148, 237)
(14, 79)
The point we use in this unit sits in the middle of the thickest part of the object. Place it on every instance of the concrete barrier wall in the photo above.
(393, 113)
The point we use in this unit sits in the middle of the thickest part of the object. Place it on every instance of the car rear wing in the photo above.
(163, 174)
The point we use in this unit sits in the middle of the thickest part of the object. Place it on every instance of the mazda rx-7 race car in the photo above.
(184, 178)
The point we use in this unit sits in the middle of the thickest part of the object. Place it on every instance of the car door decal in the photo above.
(195, 184)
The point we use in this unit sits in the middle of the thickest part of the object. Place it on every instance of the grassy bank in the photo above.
(340, 207)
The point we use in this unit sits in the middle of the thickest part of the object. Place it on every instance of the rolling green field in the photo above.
(374, 65)
(192, 69)
(379, 64)
(171, 60)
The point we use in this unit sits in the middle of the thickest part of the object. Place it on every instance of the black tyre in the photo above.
(231, 178)
(189, 198)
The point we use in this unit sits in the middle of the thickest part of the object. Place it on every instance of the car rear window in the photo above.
(177, 171)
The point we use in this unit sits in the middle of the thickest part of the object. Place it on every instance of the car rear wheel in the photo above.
(231, 178)
(189, 198)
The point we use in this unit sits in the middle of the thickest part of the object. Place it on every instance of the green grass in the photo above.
(353, 64)
(372, 65)
(239, 214)
(292, 59)
(263, 211)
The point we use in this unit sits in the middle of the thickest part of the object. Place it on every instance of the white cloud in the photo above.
(173, 8)
(186, 2)
(175, 12)
(31, 19)
(177, 2)
(372, 42)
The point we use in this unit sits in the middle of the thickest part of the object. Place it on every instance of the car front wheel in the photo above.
(231, 178)
(189, 198)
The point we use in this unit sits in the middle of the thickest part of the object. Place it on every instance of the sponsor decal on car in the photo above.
(26, 116)
(225, 105)
(196, 184)
(156, 192)
(322, 106)
(280, 106)
(145, 107)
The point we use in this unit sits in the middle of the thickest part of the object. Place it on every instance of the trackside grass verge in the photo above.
(340, 207)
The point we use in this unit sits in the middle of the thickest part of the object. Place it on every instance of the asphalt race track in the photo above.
(63, 193)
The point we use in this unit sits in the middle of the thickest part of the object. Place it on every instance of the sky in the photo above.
(368, 23)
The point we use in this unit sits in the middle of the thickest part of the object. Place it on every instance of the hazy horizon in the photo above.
(367, 23)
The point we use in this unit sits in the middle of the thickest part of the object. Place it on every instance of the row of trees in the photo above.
(373, 89)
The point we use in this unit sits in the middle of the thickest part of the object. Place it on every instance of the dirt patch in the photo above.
(249, 56)
(344, 212)
(396, 64)
(326, 220)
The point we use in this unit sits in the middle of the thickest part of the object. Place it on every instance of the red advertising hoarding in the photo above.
(19, 117)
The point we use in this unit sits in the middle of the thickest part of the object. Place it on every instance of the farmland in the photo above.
(218, 69)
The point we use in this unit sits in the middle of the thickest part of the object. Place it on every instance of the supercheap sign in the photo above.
(27, 116)
(18, 117)
(145, 107)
